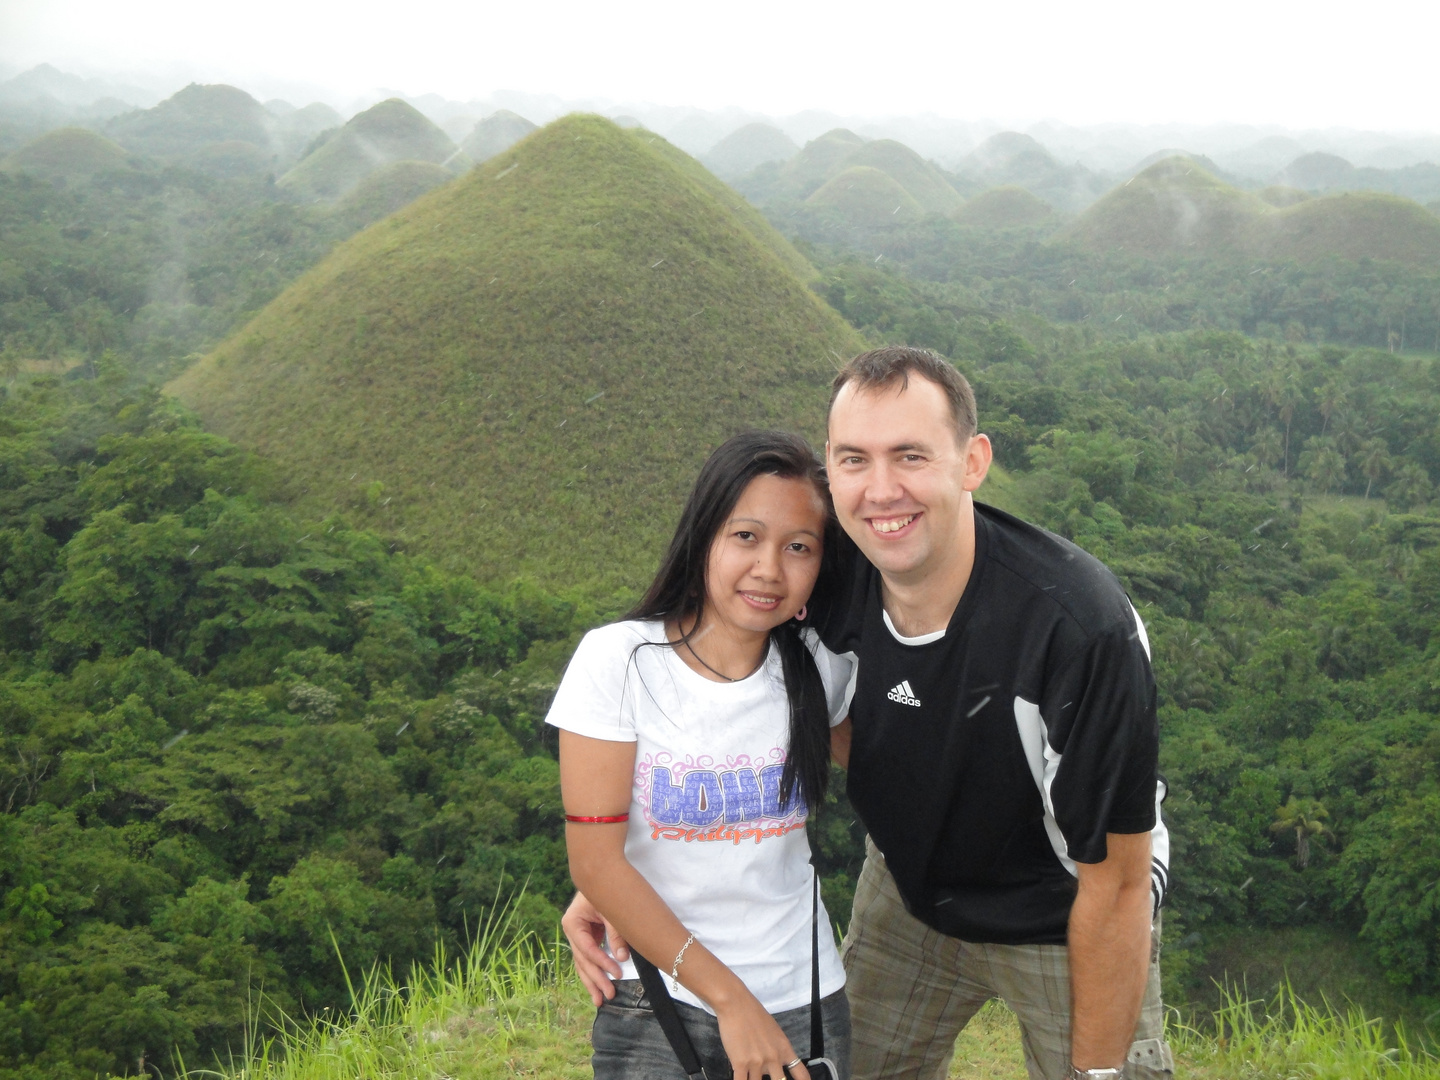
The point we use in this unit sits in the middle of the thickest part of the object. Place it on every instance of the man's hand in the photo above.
(586, 930)
(1109, 951)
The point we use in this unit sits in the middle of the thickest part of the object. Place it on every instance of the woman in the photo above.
(694, 737)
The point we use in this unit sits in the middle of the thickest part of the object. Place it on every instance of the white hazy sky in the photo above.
(1255, 61)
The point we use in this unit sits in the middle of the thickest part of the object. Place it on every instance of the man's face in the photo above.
(901, 478)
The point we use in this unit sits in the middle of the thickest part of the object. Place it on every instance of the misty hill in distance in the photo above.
(495, 134)
(1014, 159)
(386, 133)
(193, 118)
(746, 149)
(1066, 166)
(387, 189)
(853, 183)
(1008, 207)
(585, 314)
(866, 197)
(68, 154)
(1177, 207)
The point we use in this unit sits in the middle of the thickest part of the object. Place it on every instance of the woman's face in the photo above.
(763, 562)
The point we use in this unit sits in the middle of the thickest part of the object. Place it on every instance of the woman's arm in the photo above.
(595, 780)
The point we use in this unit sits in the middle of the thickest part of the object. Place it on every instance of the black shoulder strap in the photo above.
(669, 1016)
(674, 1027)
(817, 1024)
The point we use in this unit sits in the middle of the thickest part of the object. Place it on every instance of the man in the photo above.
(1001, 749)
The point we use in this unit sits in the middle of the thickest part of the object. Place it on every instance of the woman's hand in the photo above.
(754, 1042)
(587, 930)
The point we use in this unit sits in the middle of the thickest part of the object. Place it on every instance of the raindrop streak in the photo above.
(983, 702)
(177, 738)
(402, 728)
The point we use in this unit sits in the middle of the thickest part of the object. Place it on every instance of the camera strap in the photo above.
(670, 1023)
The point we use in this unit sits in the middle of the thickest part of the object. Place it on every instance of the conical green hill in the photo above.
(495, 134)
(521, 371)
(390, 131)
(1353, 225)
(869, 198)
(1003, 208)
(191, 119)
(389, 188)
(67, 153)
(912, 172)
(1172, 207)
(818, 161)
(747, 148)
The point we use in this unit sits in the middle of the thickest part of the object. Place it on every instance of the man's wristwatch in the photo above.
(1095, 1074)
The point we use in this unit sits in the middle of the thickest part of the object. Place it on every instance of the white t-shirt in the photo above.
(707, 829)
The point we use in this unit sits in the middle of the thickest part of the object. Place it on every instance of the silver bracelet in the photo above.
(679, 959)
(1095, 1074)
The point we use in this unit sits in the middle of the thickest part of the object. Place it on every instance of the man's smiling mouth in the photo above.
(890, 525)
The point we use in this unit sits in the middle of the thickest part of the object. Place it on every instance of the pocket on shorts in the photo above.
(629, 999)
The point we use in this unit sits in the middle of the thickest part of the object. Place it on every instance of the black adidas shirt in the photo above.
(985, 763)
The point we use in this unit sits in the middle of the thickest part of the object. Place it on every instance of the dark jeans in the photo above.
(629, 1044)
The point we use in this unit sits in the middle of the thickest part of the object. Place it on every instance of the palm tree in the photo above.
(1284, 397)
(1267, 446)
(1374, 460)
(1306, 818)
(1328, 398)
(1323, 465)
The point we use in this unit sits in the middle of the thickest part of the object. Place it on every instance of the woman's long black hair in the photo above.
(678, 592)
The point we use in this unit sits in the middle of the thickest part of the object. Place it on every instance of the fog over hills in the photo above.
(1066, 166)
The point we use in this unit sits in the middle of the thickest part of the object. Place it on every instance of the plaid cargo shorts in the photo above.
(912, 989)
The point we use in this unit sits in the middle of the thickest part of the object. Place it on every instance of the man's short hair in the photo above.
(884, 368)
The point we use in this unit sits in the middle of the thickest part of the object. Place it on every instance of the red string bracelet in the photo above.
(612, 819)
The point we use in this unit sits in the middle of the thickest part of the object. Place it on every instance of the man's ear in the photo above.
(978, 455)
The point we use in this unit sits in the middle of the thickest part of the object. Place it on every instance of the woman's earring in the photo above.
(804, 610)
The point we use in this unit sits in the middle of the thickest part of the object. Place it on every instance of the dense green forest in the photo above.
(957, 270)
(240, 742)
(237, 744)
(153, 265)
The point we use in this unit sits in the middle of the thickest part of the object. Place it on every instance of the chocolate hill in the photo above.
(520, 372)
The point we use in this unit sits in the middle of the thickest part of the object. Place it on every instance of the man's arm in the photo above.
(1109, 951)
(840, 743)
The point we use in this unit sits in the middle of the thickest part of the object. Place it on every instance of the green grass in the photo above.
(1315, 963)
(1287, 1038)
(521, 372)
(510, 1007)
(507, 1008)
(867, 197)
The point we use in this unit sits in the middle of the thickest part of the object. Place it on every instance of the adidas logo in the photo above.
(903, 694)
